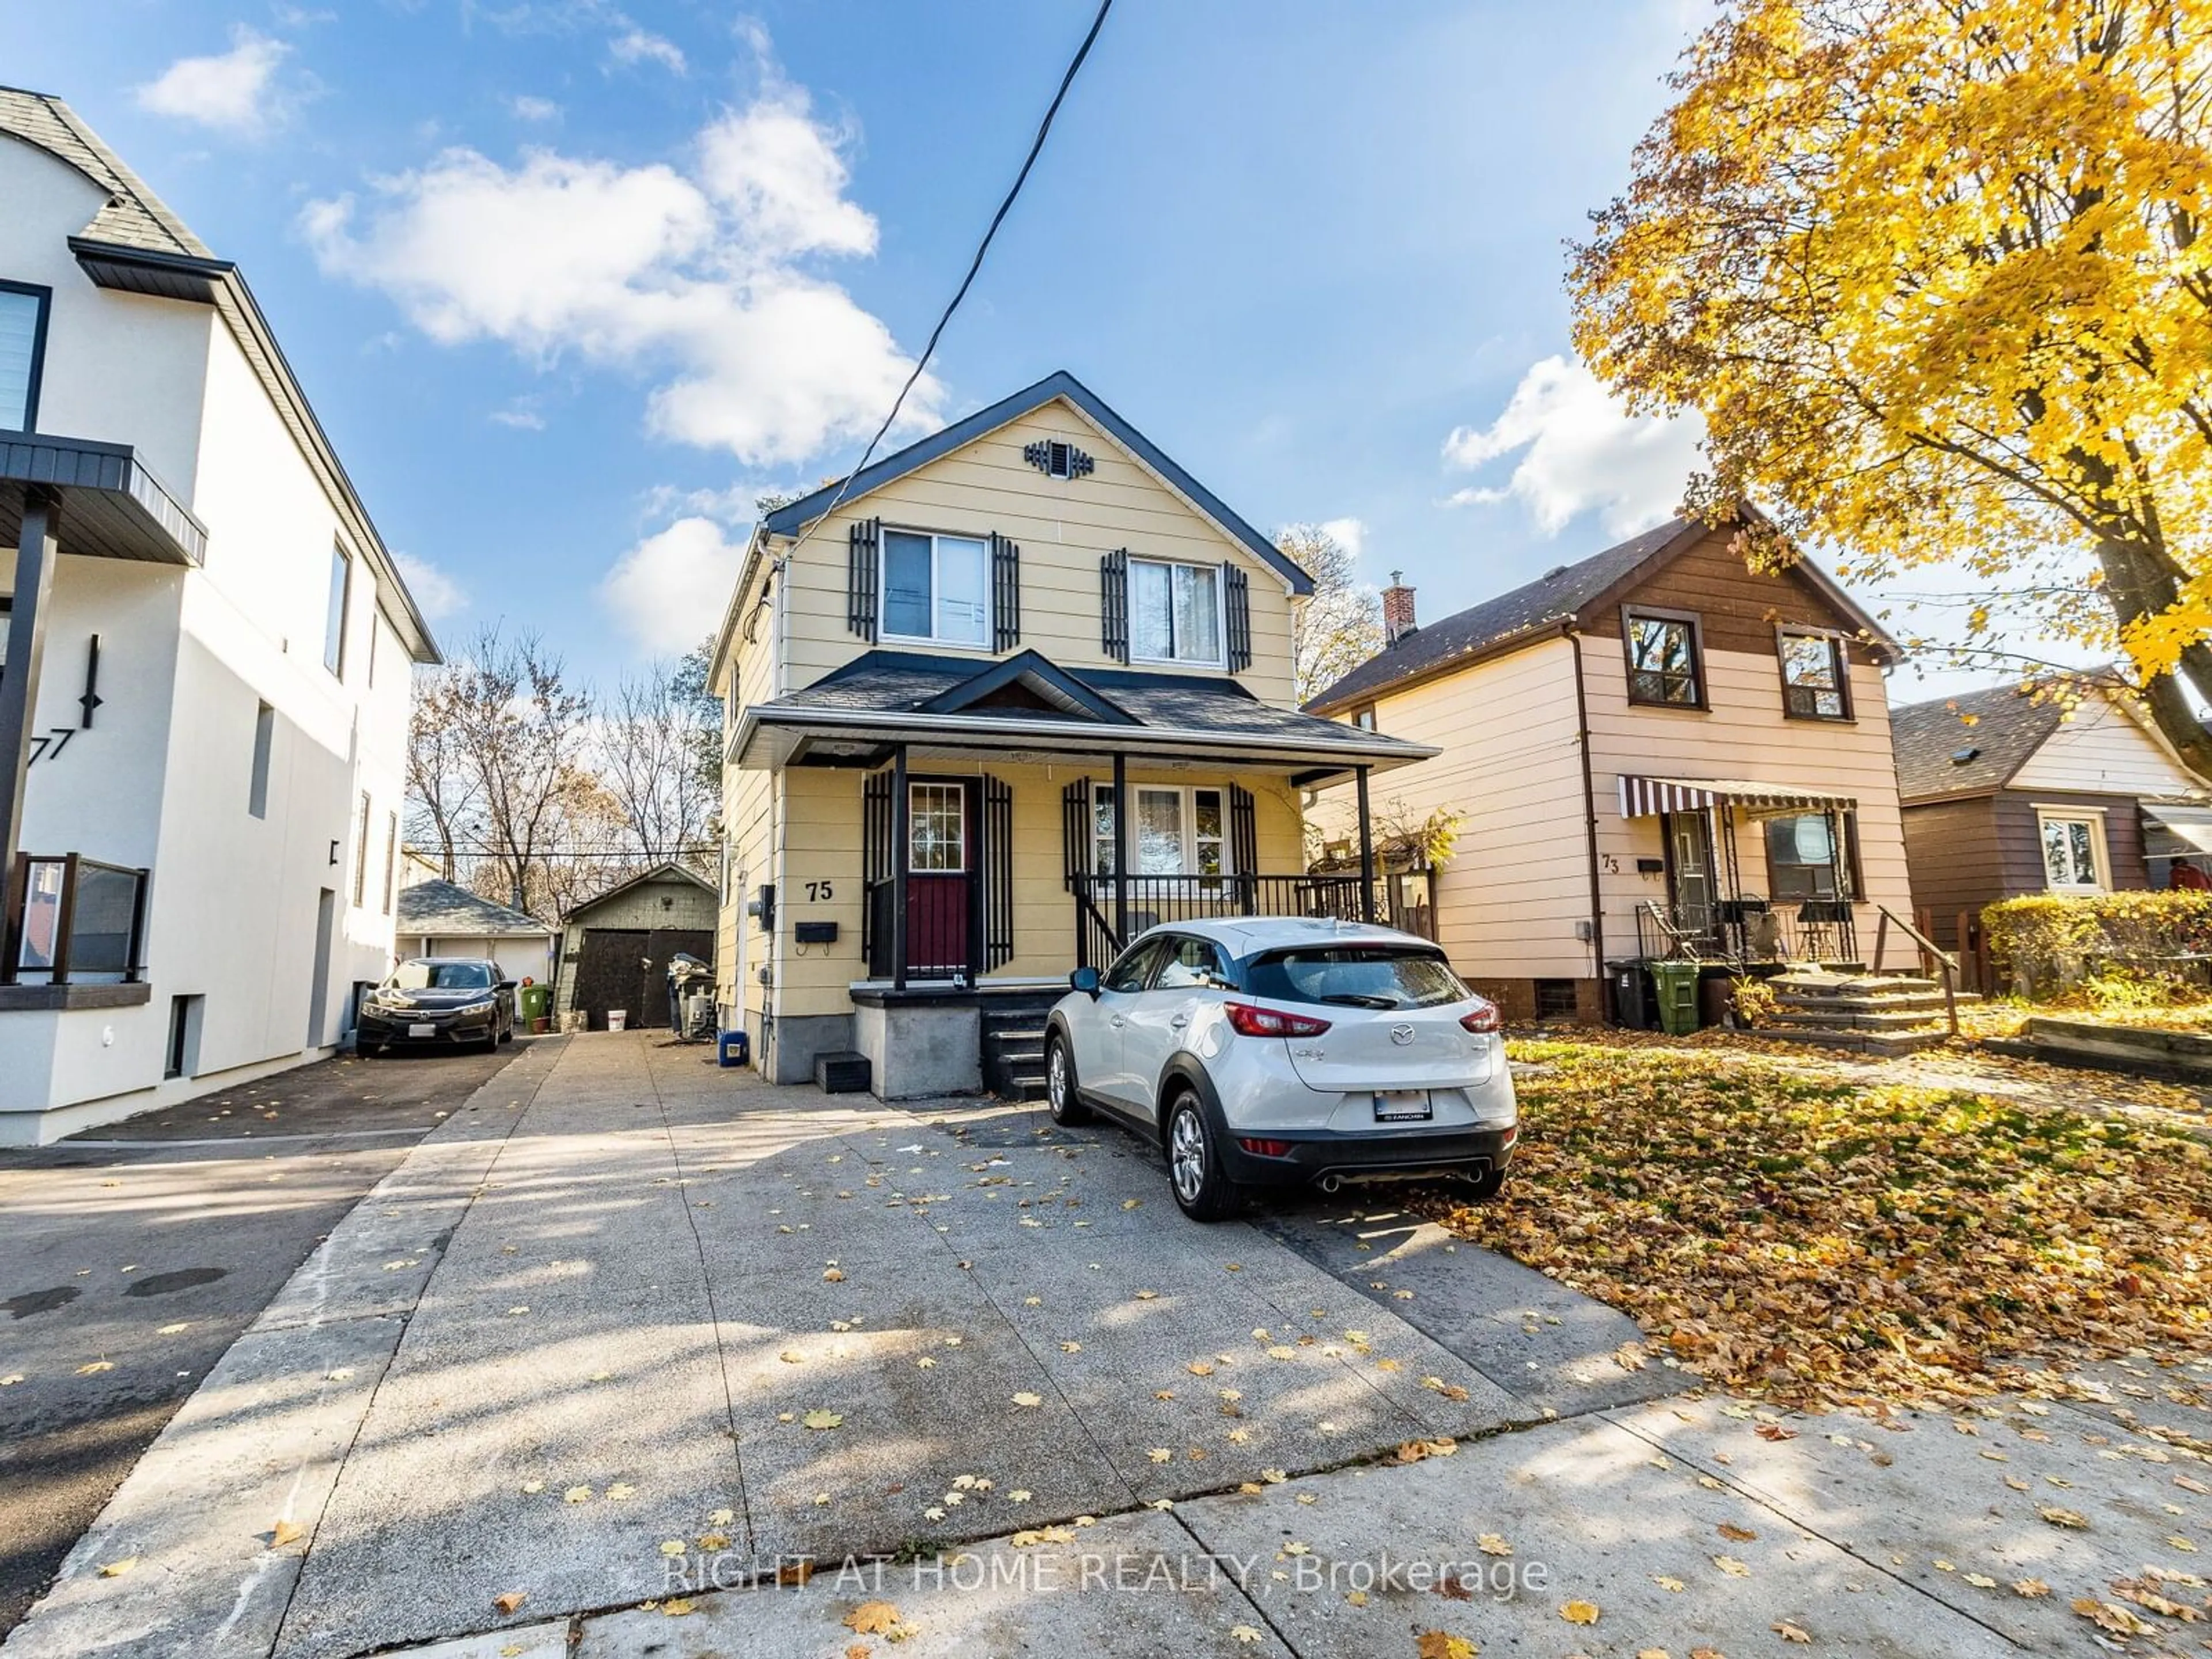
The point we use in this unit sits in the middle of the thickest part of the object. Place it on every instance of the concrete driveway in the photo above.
(600, 1368)
(135, 1254)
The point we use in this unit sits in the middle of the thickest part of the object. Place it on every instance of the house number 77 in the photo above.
(819, 892)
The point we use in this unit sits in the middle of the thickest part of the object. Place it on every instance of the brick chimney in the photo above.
(1397, 610)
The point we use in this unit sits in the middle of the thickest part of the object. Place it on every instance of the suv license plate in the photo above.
(422, 1030)
(1403, 1106)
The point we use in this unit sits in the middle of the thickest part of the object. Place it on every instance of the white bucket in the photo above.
(617, 1019)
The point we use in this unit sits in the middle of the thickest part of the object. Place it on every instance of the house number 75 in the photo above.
(819, 892)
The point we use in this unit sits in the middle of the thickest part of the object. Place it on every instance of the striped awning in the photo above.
(1640, 798)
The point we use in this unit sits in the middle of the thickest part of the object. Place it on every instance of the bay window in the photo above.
(1174, 612)
(936, 588)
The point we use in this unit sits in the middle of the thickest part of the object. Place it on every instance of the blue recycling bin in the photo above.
(732, 1049)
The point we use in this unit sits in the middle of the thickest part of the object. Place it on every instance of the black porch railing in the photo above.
(72, 919)
(1749, 930)
(1399, 901)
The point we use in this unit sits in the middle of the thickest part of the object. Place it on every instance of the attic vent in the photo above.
(1057, 459)
(1555, 573)
(1965, 756)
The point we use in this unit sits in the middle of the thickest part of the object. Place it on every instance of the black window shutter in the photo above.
(1238, 591)
(1243, 831)
(1114, 604)
(1006, 593)
(862, 542)
(1075, 830)
(998, 873)
(876, 871)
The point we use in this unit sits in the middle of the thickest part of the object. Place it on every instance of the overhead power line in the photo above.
(976, 264)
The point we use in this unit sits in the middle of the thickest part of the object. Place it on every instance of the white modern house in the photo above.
(203, 699)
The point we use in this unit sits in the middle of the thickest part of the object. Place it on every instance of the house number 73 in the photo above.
(819, 892)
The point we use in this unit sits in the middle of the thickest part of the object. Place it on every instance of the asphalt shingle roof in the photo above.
(2007, 725)
(897, 682)
(437, 907)
(1550, 599)
(133, 217)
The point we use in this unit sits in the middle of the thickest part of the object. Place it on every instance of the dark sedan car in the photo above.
(439, 1002)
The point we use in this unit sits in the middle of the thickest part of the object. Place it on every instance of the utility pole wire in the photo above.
(929, 349)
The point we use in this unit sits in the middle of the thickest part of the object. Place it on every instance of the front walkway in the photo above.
(650, 1327)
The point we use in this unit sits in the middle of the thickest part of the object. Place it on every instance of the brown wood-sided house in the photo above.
(2013, 790)
(1654, 752)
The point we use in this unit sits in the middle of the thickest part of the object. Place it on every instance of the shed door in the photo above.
(610, 974)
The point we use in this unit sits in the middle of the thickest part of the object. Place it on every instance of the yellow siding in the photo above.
(823, 845)
(1744, 735)
(748, 801)
(1519, 876)
(2101, 750)
(1062, 526)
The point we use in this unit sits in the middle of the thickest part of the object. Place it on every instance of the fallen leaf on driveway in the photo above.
(833, 1275)
(511, 1601)
(823, 1419)
(1491, 1544)
(96, 1368)
(1438, 1644)
(2059, 1518)
(1028, 1399)
(671, 1547)
(2030, 1588)
(1579, 1612)
(1774, 1431)
(577, 1495)
(283, 1533)
(1736, 1535)
(676, 1607)
(11, 1379)
(1160, 1455)
(872, 1619)
(1731, 1566)
(1245, 1633)
(116, 1569)
(1672, 1586)
(1789, 1633)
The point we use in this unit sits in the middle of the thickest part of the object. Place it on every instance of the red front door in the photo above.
(940, 862)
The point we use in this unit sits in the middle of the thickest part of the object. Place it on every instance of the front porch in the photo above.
(994, 854)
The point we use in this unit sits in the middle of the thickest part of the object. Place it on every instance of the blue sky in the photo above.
(570, 281)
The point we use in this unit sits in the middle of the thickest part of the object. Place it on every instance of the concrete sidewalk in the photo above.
(658, 1327)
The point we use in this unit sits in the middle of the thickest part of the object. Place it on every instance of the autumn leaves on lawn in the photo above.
(1818, 1243)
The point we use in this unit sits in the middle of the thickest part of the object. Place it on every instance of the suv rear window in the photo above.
(1356, 978)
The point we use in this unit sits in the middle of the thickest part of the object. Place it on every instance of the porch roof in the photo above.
(1028, 706)
(1642, 798)
(112, 506)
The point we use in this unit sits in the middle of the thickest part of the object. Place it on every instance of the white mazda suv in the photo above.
(1273, 1051)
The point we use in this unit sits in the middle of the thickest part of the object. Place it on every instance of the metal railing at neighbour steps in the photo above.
(72, 919)
(1930, 952)
(1156, 899)
(1744, 931)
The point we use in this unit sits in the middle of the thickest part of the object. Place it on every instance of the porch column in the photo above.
(1367, 850)
(19, 688)
(1122, 849)
(902, 835)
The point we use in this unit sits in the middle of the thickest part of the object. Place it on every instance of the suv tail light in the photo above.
(1270, 1023)
(1483, 1021)
(1265, 1148)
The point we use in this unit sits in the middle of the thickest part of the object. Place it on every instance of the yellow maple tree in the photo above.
(1936, 274)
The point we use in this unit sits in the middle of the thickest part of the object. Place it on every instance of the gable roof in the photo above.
(659, 872)
(790, 519)
(440, 908)
(1977, 741)
(1546, 605)
(135, 244)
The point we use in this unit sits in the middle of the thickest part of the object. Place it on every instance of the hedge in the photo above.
(2047, 941)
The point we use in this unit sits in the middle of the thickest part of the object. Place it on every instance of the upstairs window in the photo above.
(334, 620)
(1174, 612)
(1813, 685)
(22, 354)
(1663, 668)
(936, 588)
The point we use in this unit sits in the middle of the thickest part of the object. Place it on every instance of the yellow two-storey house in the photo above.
(945, 677)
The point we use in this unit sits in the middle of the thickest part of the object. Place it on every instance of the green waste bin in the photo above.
(533, 1003)
(1677, 985)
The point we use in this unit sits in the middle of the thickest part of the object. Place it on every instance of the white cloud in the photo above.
(519, 415)
(523, 107)
(232, 92)
(436, 594)
(698, 275)
(1349, 534)
(1578, 451)
(637, 46)
(660, 589)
